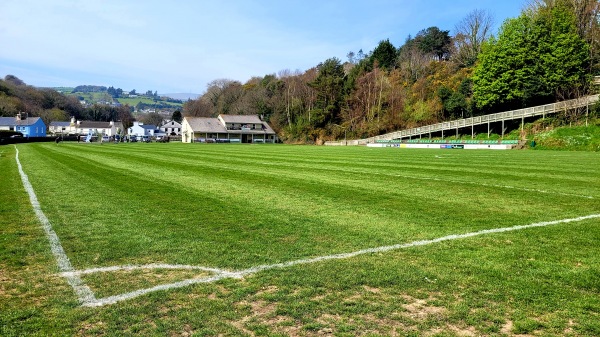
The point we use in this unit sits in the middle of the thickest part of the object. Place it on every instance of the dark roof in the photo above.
(12, 121)
(58, 123)
(94, 125)
(98, 125)
(148, 127)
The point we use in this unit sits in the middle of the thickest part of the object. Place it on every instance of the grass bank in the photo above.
(575, 138)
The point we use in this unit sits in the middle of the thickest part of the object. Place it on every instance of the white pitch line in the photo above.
(117, 298)
(84, 293)
(254, 270)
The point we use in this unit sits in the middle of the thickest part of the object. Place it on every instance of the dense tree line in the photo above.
(90, 88)
(548, 53)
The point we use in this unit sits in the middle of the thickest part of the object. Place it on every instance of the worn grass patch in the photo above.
(105, 284)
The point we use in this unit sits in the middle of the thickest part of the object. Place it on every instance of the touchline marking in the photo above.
(256, 269)
(84, 293)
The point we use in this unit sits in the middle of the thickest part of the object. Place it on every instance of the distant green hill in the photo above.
(93, 94)
(64, 90)
(134, 101)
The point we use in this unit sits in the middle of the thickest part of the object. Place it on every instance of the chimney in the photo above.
(112, 123)
(72, 120)
(18, 116)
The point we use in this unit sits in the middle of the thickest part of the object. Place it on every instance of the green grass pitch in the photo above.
(235, 207)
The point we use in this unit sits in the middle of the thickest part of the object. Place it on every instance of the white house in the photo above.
(75, 127)
(61, 128)
(103, 128)
(140, 129)
(171, 128)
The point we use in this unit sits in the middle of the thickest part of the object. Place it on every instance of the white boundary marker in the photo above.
(88, 299)
(84, 293)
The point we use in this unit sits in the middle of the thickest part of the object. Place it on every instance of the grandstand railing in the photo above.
(541, 110)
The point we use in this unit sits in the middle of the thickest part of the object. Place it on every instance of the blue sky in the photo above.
(181, 45)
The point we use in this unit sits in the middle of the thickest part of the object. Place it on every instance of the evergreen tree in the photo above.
(385, 55)
(329, 86)
(177, 116)
(434, 41)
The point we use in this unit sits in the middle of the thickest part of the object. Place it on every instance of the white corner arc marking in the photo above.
(256, 269)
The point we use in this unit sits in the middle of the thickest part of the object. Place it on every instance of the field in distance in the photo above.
(230, 208)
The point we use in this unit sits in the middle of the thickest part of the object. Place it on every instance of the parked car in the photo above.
(133, 139)
(146, 139)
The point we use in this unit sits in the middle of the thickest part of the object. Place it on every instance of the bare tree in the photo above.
(229, 97)
(152, 118)
(470, 33)
(587, 13)
(292, 83)
(200, 107)
(214, 90)
(412, 61)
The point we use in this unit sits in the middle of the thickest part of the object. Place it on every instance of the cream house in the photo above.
(75, 127)
(102, 128)
(227, 129)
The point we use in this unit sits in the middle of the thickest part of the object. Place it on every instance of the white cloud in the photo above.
(185, 44)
